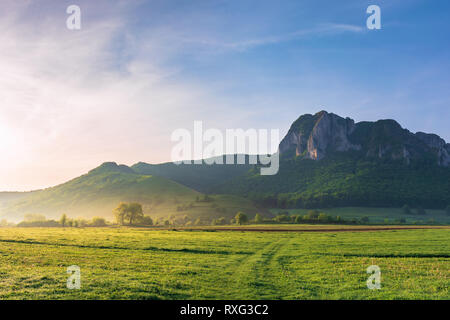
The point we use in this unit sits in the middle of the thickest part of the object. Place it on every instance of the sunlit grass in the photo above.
(124, 263)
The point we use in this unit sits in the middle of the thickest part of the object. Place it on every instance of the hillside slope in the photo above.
(201, 177)
(98, 192)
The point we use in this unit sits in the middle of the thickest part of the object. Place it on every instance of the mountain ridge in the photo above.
(314, 136)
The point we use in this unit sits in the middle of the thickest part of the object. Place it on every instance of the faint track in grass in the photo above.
(176, 250)
(254, 276)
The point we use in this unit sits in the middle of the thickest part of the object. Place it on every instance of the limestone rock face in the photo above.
(330, 133)
(438, 145)
(316, 136)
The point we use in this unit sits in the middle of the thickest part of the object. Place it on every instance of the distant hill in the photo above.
(201, 177)
(98, 192)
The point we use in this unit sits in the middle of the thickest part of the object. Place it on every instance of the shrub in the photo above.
(323, 217)
(98, 222)
(146, 221)
(365, 219)
(313, 214)
(220, 221)
(258, 218)
(282, 218)
(241, 218)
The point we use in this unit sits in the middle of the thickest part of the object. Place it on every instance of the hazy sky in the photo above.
(116, 89)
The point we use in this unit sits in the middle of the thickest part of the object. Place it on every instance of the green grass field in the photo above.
(378, 215)
(126, 263)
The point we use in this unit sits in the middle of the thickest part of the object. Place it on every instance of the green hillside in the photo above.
(99, 192)
(345, 179)
(201, 177)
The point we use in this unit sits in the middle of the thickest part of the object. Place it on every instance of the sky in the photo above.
(136, 71)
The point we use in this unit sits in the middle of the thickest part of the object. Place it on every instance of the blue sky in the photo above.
(137, 70)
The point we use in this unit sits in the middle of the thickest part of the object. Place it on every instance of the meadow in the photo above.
(142, 263)
(379, 215)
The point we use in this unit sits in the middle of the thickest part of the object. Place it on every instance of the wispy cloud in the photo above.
(320, 30)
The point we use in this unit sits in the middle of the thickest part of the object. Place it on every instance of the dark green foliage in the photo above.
(421, 211)
(365, 219)
(345, 180)
(40, 224)
(201, 177)
(447, 210)
(258, 218)
(241, 218)
(406, 209)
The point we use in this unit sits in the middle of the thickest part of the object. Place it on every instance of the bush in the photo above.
(282, 218)
(365, 219)
(241, 218)
(323, 217)
(146, 221)
(43, 224)
(258, 218)
(219, 222)
(313, 214)
(98, 222)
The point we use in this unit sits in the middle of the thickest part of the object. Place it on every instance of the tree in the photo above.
(120, 213)
(128, 211)
(147, 221)
(323, 217)
(406, 209)
(365, 219)
(63, 220)
(313, 214)
(447, 210)
(134, 212)
(241, 218)
(258, 218)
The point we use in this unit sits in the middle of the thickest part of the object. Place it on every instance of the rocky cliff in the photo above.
(316, 136)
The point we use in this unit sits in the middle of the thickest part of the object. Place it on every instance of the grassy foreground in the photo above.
(125, 263)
